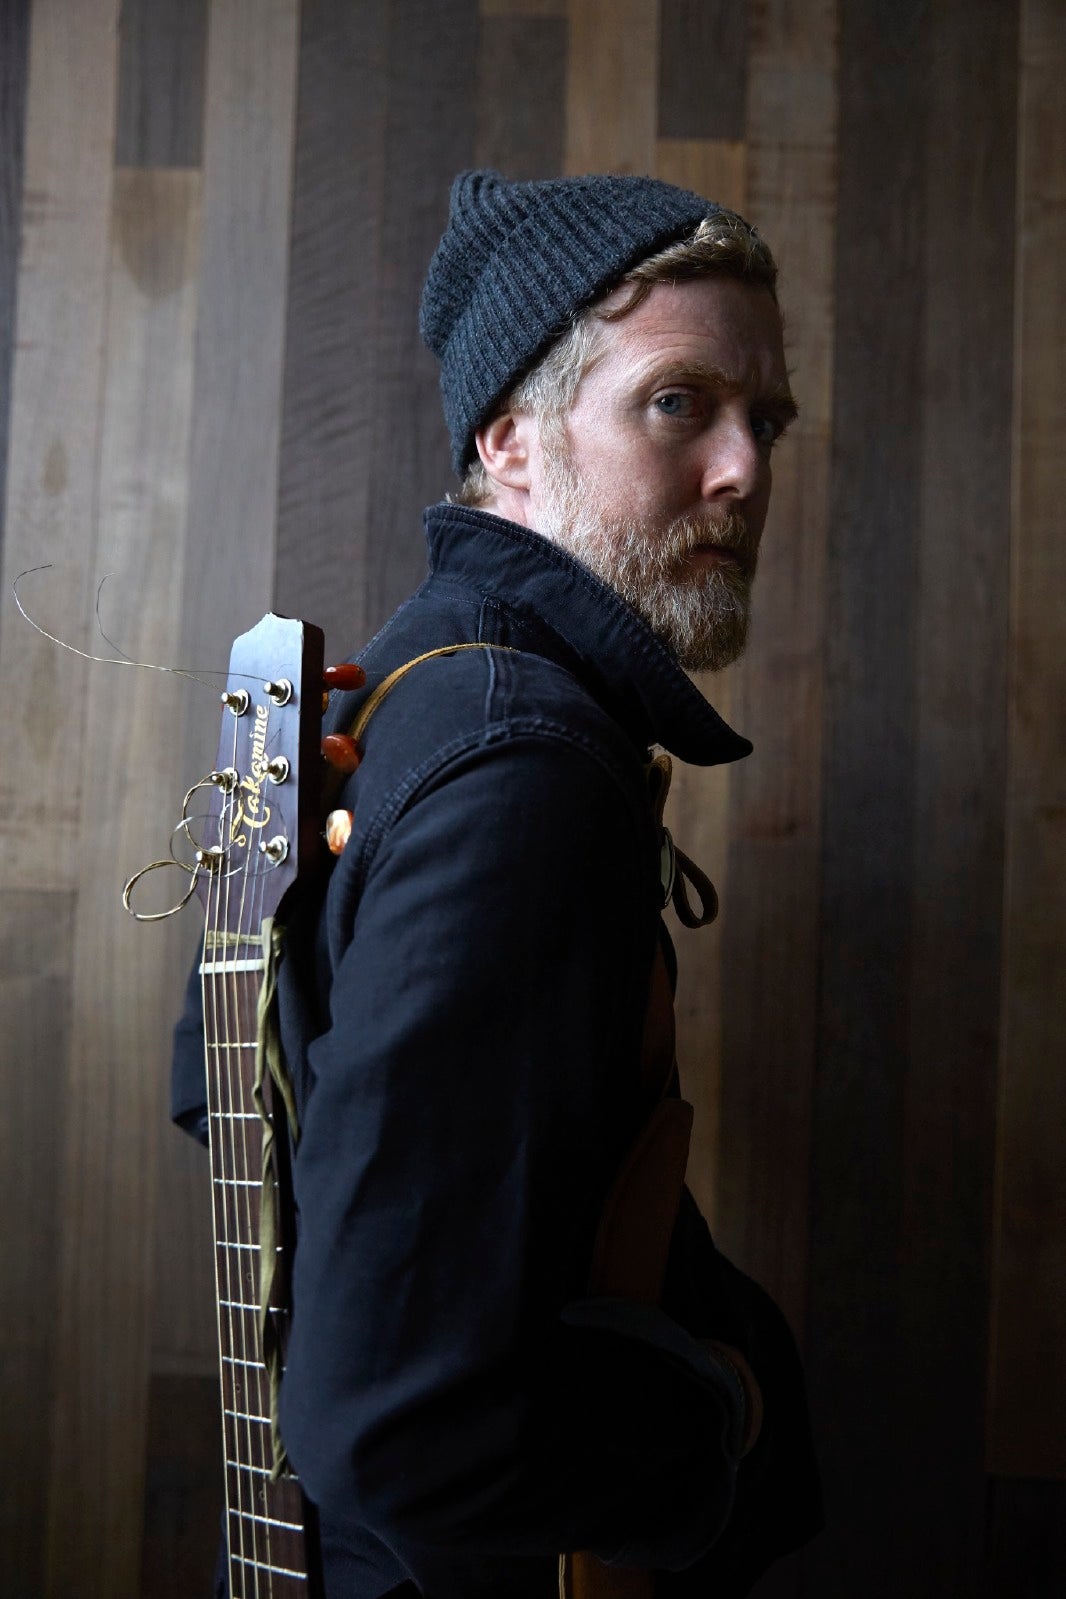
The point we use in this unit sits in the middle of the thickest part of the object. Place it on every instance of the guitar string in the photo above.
(246, 1196)
(247, 923)
(223, 1273)
(121, 659)
(215, 1134)
(236, 1297)
(250, 917)
(225, 1133)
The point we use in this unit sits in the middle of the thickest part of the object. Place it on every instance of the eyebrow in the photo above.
(779, 399)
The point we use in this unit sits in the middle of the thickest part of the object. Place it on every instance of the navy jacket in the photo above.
(462, 1007)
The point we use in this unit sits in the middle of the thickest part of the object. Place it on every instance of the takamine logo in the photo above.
(250, 792)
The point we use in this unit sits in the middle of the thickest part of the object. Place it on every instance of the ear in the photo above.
(504, 447)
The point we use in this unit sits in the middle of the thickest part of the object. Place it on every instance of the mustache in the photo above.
(729, 532)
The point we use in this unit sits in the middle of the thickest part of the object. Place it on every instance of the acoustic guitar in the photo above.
(262, 831)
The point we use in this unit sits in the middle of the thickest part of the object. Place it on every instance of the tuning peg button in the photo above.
(346, 676)
(338, 830)
(341, 751)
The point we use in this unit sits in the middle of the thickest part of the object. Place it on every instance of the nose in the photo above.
(735, 466)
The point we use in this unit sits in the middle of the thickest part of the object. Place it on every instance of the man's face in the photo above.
(660, 478)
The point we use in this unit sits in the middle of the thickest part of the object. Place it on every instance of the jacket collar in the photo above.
(616, 652)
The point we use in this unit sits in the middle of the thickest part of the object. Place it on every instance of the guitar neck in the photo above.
(266, 1521)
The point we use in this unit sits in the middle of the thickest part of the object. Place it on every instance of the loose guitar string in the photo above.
(121, 659)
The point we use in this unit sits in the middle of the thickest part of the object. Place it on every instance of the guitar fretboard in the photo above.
(266, 1521)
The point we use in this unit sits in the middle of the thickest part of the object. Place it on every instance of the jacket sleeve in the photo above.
(446, 1387)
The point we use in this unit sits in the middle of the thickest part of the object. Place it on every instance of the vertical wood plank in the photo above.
(184, 1491)
(124, 975)
(857, 1370)
(364, 447)
(703, 69)
(36, 934)
(523, 8)
(1028, 1381)
(612, 71)
(233, 466)
(159, 121)
(716, 168)
(770, 948)
(960, 607)
(14, 51)
(424, 149)
(329, 398)
(53, 441)
(521, 95)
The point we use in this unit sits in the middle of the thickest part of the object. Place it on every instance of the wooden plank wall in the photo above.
(214, 220)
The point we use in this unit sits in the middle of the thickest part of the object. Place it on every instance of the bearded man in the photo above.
(503, 1351)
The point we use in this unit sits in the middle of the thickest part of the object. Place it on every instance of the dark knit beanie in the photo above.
(518, 260)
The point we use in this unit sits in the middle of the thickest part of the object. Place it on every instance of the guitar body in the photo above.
(261, 832)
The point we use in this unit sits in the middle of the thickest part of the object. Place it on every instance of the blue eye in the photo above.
(674, 404)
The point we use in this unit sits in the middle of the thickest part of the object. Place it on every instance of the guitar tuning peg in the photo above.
(338, 830)
(346, 676)
(341, 751)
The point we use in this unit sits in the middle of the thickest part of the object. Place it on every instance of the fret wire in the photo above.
(244, 1415)
(270, 1521)
(263, 1565)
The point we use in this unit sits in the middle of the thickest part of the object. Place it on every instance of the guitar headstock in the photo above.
(262, 825)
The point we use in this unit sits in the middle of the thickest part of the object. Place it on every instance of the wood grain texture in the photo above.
(162, 46)
(14, 52)
(424, 149)
(183, 1491)
(960, 608)
(184, 1336)
(1028, 1380)
(703, 69)
(521, 95)
(364, 448)
(328, 399)
(53, 441)
(716, 168)
(610, 90)
(857, 1365)
(240, 332)
(36, 942)
(523, 8)
(126, 982)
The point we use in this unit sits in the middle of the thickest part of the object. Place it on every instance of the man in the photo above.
(466, 1012)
